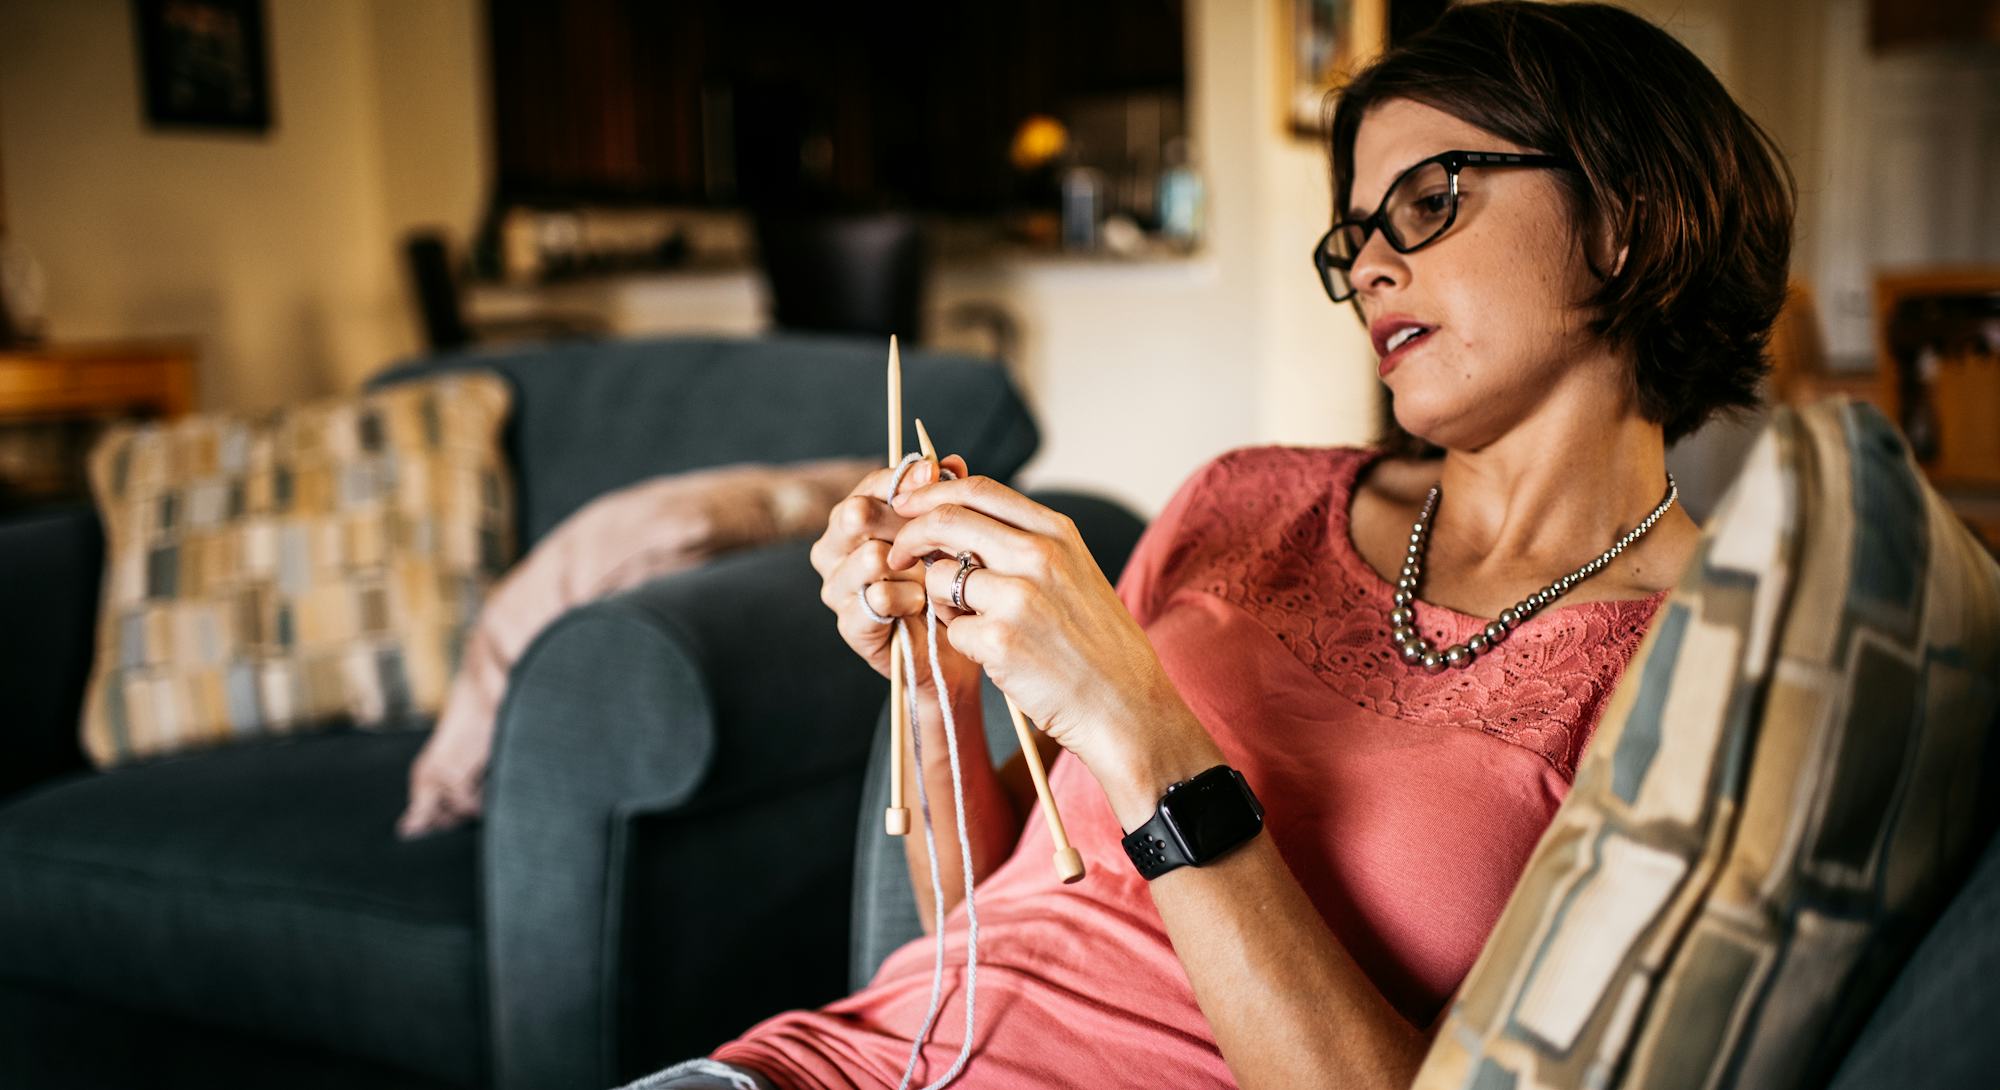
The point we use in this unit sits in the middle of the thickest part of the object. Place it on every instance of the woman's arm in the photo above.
(1289, 1006)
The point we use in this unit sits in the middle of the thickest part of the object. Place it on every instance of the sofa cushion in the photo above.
(258, 888)
(1785, 788)
(271, 574)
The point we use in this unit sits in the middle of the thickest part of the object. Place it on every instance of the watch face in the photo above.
(1212, 813)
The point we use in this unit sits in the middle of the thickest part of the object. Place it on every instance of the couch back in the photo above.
(591, 416)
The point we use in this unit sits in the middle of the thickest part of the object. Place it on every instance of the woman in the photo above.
(1594, 280)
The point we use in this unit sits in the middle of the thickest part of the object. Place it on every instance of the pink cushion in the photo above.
(619, 540)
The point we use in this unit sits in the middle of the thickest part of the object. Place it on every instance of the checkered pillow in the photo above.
(1783, 789)
(284, 573)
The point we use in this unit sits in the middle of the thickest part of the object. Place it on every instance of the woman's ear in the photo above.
(1613, 230)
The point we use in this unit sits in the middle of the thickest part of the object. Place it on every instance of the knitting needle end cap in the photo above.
(1069, 865)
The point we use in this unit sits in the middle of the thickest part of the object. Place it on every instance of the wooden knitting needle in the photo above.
(897, 818)
(1068, 861)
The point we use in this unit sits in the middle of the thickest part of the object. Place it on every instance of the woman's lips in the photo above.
(1392, 359)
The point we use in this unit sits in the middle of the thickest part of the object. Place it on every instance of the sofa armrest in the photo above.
(52, 564)
(686, 754)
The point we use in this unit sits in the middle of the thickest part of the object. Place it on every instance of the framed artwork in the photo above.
(1322, 41)
(203, 64)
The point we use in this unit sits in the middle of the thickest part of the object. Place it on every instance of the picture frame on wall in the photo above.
(203, 64)
(1321, 43)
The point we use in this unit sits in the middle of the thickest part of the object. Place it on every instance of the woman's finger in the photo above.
(987, 496)
(865, 514)
(947, 530)
(890, 598)
(985, 591)
(859, 568)
(854, 520)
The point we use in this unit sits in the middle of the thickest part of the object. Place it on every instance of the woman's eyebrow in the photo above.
(1356, 213)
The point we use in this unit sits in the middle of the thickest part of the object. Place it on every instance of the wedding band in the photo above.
(870, 610)
(966, 563)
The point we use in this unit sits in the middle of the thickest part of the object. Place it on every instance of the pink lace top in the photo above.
(1404, 803)
(1272, 507)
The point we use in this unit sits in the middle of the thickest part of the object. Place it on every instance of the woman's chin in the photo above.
(1439, 425)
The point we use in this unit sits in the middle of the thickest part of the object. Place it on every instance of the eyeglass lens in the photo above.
(1415, 212)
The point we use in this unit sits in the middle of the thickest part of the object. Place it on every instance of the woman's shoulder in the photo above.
(1278, 467)
(1364, 476)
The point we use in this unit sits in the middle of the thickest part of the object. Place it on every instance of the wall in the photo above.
(274, 253)
(279, 254)
(1140, 372)
(1143, 374)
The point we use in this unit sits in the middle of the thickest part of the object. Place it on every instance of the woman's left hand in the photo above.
(1040, 617)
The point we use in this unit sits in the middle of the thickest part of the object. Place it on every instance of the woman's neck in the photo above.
(1554, 492)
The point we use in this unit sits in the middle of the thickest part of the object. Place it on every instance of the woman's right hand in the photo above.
(852, 554)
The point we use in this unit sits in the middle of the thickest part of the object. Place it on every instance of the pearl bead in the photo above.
(1416, 650)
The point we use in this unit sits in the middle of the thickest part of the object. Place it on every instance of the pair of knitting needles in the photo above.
(1068, 862)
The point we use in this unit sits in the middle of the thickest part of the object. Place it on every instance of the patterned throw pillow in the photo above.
(1782, 791)
(271, 575)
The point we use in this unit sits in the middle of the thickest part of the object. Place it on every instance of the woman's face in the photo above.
(1499, 288)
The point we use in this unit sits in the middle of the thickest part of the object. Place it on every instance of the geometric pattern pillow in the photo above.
(1783, 788)
(274, 574)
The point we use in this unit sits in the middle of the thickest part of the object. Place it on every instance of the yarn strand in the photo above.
(902, 635)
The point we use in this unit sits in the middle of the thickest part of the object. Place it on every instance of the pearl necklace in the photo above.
(1418, 651)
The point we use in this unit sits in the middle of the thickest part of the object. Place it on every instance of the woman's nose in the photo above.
(1377, 267)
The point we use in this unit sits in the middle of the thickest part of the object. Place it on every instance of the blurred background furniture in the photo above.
(863, 274)
(440, 302)
(1938, 378)
(56, 399)
(655, 869)
(858, 274)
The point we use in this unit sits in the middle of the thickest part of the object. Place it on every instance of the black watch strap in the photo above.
(1198, 821)
(1154, 849)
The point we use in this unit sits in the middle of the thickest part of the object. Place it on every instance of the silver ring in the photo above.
(966, 563)
(870, 610)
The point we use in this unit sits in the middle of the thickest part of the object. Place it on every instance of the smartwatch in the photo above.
(1199, 821)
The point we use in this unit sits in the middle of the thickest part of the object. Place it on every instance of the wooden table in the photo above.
(55, 399)
(111, 378)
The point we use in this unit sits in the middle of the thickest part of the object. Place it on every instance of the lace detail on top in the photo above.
(1266, 529)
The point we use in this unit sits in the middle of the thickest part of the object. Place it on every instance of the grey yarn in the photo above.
(902, 635)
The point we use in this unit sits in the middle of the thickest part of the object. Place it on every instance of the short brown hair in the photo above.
(1696, 188)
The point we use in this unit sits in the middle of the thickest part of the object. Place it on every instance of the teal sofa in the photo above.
(667, 850)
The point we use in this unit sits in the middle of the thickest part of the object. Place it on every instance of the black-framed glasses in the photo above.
(1420, 206)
